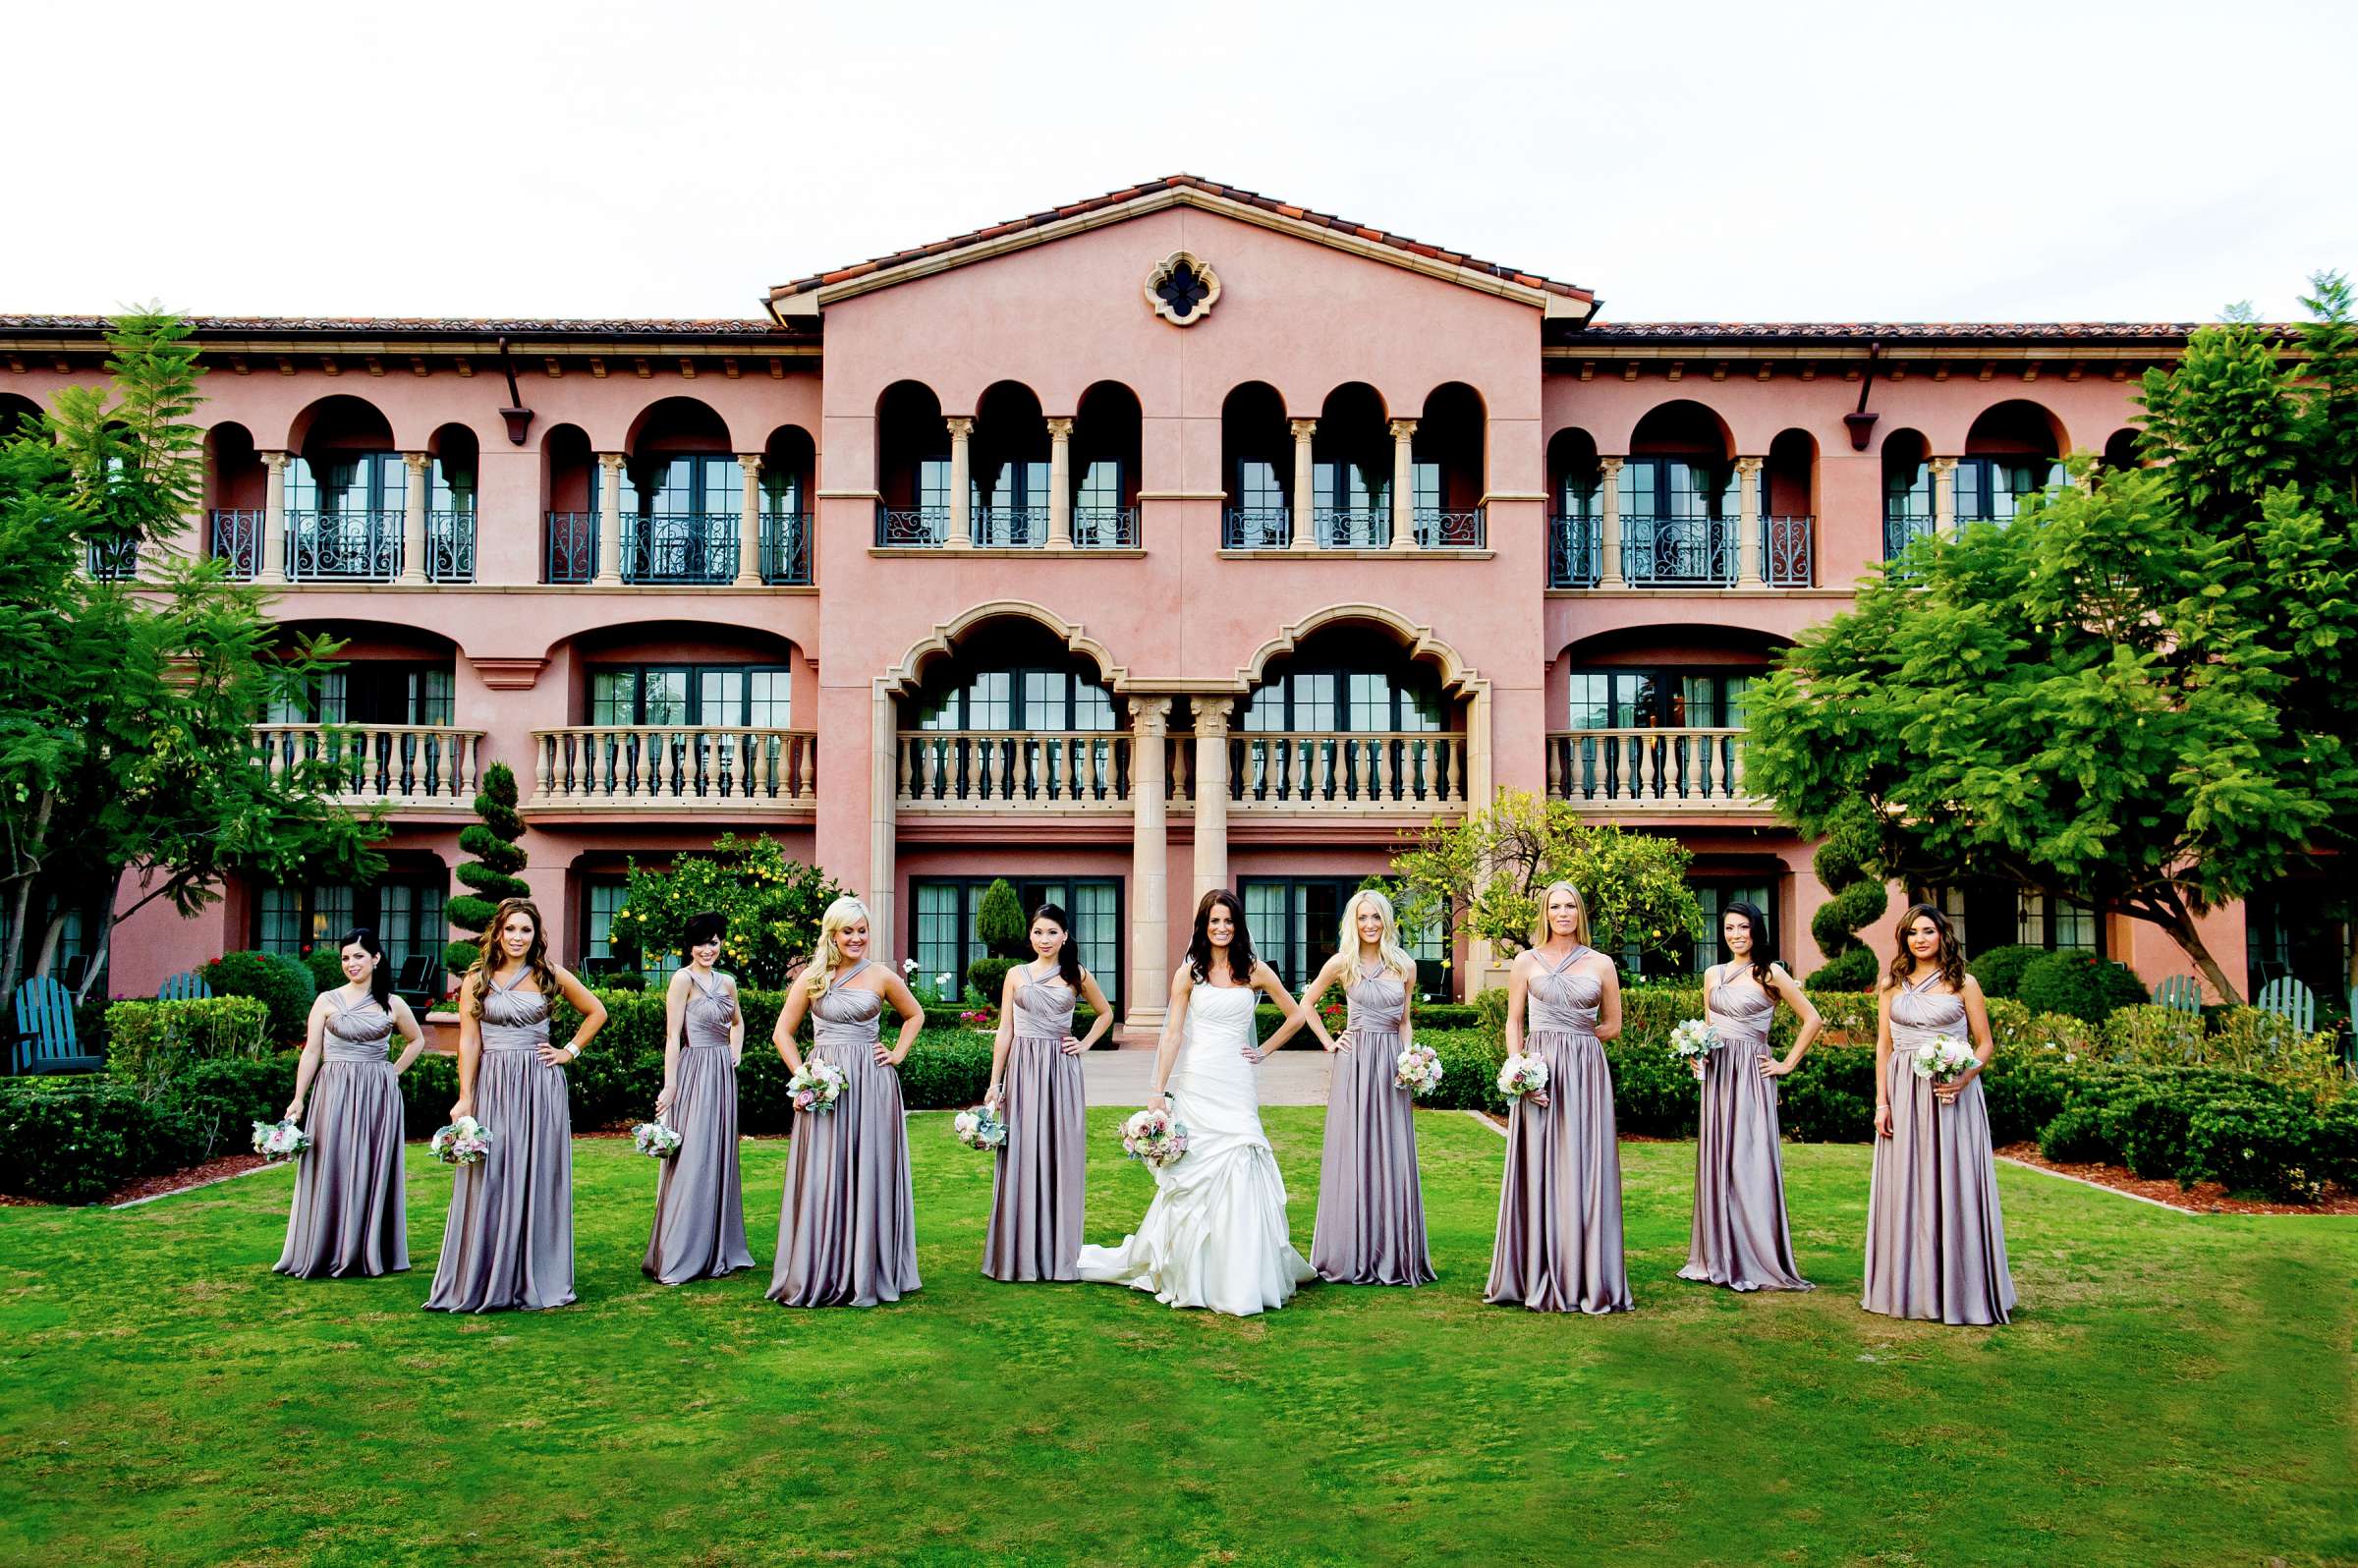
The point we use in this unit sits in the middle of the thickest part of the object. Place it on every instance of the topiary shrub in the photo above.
(1856, 898)
(279, 981)
(492, 872)
(326, 966)
(2078, 983)
(986, 977)
(1999, 969)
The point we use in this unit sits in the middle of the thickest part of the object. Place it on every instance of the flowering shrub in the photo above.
(771, 904)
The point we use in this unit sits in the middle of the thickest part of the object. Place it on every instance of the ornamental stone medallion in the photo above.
(1181, 288)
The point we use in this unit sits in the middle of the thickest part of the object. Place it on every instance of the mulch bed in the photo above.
(2204, 1197)
(174, 1181)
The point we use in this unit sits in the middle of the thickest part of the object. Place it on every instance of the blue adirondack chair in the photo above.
(185, 986)
(45, 1040)
(2290, 1001)
(2181, 993)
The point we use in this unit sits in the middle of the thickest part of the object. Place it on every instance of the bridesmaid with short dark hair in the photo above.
(700, 1203)
(1936, 1241)
(1039, 1176)
(349, 1213)
(1739, 1237)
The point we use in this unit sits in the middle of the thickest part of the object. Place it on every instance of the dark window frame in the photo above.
(1032, 892)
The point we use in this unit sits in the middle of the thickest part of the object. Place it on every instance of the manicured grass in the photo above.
(2176, 1391)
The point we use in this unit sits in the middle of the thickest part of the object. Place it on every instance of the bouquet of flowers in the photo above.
(1155, 1138)
(1693, 1040)
(1420, 1070)
(1524, 1076)
(655, 1140)
(277, 1141)
(463, 1143)
(1944, 1059)
(979, 1129)
(818, 1086)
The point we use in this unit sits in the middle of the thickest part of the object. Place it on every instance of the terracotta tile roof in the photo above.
(428, 326)
(1173, 181)
(1966, 331)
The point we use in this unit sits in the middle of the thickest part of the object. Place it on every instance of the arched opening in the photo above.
(2120, 450)
(789, 463)
(237, 489)
(1576, 521)
(568, 544)
(1107, 434)
(1351, 471)
(1678, 499)
(1349, 715)
(1447, 468)
(1907, 491)
(454, 471)
(913, 466)
(2013, 451)
(1256, 460)
(1008, 468)
(346, 489)
(1012, 716)
(683, 495)
(15, 409)
(1788, 508)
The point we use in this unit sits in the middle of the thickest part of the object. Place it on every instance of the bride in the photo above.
(1215, 1233)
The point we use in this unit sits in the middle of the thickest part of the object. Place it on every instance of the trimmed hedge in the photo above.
(279, 979)
(2077, 984)
(1999, 969)
(74, 1140)
(153, 1042)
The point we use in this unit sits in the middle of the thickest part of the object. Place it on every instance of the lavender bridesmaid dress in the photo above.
(700, 1206)
(1371, 1228)
(1935, 1242)
(1560, 1212)
(1038, 1175)
(847, 1228)
(349, 1215)
(509, 1239)
(1739, 1238)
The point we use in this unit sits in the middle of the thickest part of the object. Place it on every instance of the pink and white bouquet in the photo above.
(1419, 1070)
(655, 1140)
(1524, 1076)
(818, 1086)
(281, 1140)
(1155, 1138)
(1944, 1059)
(463, 1143)
(982, 1128)
(1693, 1040)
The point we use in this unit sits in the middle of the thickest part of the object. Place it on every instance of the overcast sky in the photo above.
(2054, 160)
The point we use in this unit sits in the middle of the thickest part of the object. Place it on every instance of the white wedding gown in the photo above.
(1215, 1234)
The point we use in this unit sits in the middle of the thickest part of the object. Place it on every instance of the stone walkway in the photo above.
(1289, 1077)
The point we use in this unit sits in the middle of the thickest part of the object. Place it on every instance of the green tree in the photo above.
(1001, 926)
(1845, 867)
(1485, 873)
(2138, 694)
(773, 906)
(491, 840)
(127, 768)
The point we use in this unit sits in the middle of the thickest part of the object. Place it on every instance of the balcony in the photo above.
(1006, 527)
(673, 769)
(1011, 527)
(983, 770)
(366, 546)
(406, 766)
(236, 537)
(1903, 527)
(1680, 552)
(1421, 772)
(1257, 528)
(113, 560)
(1650, 769)
(920, 528)
(1452, 531)
(1106, 528)
(685, 549)
(1352, 528)
(786, 548)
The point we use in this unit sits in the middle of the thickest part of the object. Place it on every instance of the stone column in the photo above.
(1149, 1001)
(610, 521)
(1211, 793)
(1608, 527)
(1304, 518)
(415, 491)
(1751, 573)
(1404, 485)
(749, 523)
(1944, 495)
(1060, 485)
(272, 565)
(962, 503)
(883, 821)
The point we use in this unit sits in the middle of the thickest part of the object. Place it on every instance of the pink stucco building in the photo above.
(1174, 538)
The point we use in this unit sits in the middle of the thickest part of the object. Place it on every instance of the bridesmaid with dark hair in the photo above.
(1936, 1241)
(700, 1203)
(349, 1215)
(846, 1225)
(1039, 1176)
(1558, 1248)
(509, 1240)
(1739, 1237)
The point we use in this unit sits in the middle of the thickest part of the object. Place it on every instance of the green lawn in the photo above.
(2176, 1391)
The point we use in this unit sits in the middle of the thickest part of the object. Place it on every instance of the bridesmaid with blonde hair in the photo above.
(1371, 1228)
(847, 1226)
(1039, 1176)
(1558, 1246)
(1936, 1241)
(700, 1205)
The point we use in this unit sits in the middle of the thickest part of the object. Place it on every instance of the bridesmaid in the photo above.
(509, 1240)
(350, 1212)
(1371, 1227)
(847, 1228)
(1560, 1212)
(1935, 1242)
(1739, 1238)
(1038, 1175)
(700, 1206)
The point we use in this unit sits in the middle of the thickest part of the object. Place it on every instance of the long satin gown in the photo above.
(1739, 1237)
(350, 1212)
(700, 1203)
(1038, 1175)
(509, 1240)
(846, 1225)
(1371, 1228)
(1215, 1234)
(1936, 1241)
(1558, 1248)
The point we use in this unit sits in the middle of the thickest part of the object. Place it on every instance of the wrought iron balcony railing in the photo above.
(1106, 528)
(685, 547)
(449, 547)
(113, 560)
(361, 546)
(1011, 527)
(1452, 531)
(1903, 527)
(1575, 549)
(1352, 528)
(786, 548)
(236, 536)
(1663, 552)
(1257, 528)
(918, 527)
